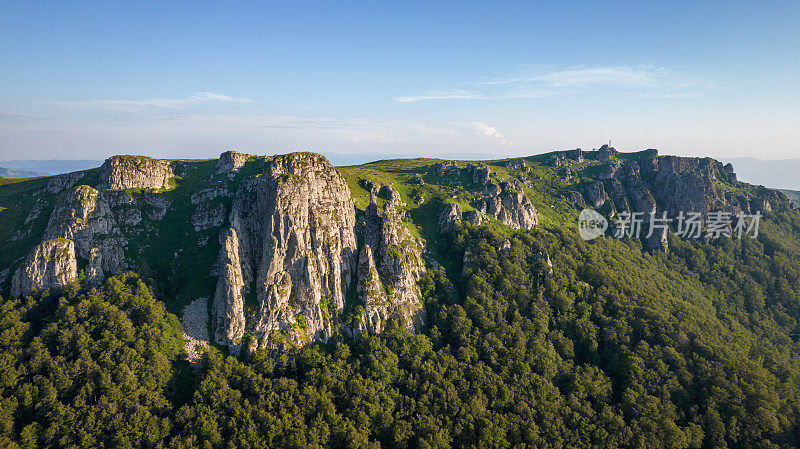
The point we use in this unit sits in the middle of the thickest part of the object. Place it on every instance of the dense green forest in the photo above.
(616, 347)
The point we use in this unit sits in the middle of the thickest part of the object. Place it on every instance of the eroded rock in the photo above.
(291, 246)
(231, 161)
(128, 172)
(50, 265)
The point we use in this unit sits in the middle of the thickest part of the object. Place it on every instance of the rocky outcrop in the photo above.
(398, 258)
(617, 194)
(545, 261)
(474, 216)
(509, 204)
(449, 216)
(596, 194)
(49, 266)
(606, 152)
(127, 172)
(371, 293)
(59, 183)
(575, 198)
(650, 184)
(516, 163)
(685, 184)
(209, 211)
(760, 205)
(231, 162)
(445, 167)
(479, 173)
(227, 310)
(85, 217)
(291, 246)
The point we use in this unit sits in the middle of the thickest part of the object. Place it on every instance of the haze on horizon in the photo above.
(85, 80)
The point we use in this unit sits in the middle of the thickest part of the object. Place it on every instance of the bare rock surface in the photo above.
(509, 204)
(59, 183)
(50, 265)
(126, 172)
(84, 216)
(194, 320)
(449, 216)
(291, 246)
(231, 161)
(398, 258)
(371, 293)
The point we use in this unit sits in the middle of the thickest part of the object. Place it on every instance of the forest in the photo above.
(611, 347)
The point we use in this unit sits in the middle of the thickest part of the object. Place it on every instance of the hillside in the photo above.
(409, 302)
(14, 173)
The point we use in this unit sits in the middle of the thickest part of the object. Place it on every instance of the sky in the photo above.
(86, 80)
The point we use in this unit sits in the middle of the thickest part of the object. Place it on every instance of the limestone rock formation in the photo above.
(475, 217)
(606, 152)
(209, 212)
(49, 266)
(575, 198)
(479, 173)
(544, 259)
(449, 216)
(445, 167)
(516, 163)
(290, 246)
(84, 216)
(509, 205)
(126, 172)
(596, 194)
(398, 257)
(227, 310)
(59, 183)
(371, 293)
(231, 161)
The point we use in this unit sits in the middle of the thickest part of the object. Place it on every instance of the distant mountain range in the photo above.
(777, 174)
(30, 168)
(14, 173)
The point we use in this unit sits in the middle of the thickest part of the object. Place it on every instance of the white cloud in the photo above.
(490, 132)
(441, 95)
(153, 103)
(538, 82)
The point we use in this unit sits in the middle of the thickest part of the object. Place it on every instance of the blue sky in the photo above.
(191, 79)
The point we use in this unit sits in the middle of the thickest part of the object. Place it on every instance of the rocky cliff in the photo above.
(127, 172)
(291, 246)
(651, 184)
(50, 266)
(396, 255)
(292, 250)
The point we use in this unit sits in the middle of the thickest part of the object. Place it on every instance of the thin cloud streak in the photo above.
(534, 82)
(153, 103)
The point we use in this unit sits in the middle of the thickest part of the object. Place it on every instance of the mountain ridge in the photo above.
(475, 315)
(134, 210)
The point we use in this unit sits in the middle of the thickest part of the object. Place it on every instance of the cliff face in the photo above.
(291, 246)
(50, 266)
(231, 161)
(398, 259)
(508, 203)
(666, 184)
(84, 217)
(371, 293)
(125, 172)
